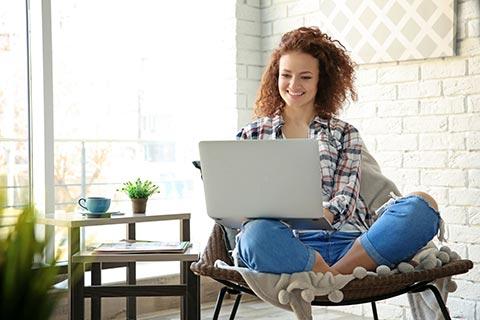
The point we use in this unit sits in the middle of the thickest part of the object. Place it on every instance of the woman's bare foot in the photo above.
(321, 266)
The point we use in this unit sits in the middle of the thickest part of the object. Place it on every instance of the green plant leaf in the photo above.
(139, 189)
(23, 288)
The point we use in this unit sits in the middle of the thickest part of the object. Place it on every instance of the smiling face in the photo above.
(298, 79)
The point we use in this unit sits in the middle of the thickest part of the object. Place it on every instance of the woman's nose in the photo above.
(294, 83)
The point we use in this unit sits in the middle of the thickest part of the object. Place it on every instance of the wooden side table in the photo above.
(188, 289)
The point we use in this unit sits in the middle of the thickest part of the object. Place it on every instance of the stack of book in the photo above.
(139, 246)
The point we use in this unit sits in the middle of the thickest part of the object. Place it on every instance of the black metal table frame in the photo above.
(188, 289)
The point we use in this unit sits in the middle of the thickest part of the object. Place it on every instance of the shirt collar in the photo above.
(277, 122)
(318, 122)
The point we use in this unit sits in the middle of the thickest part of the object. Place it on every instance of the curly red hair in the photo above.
(336, 71)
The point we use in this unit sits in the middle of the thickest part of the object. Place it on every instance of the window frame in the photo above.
(40, 109)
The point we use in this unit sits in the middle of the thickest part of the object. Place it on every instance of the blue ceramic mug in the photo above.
(95, 204)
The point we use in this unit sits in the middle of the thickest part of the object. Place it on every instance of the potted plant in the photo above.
(24, 285)
(138, 191)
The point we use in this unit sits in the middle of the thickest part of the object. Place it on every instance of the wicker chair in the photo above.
(367, 290)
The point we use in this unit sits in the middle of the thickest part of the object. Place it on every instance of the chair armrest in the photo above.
(215, 249)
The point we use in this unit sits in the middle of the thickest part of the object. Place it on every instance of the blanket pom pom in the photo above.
(446, 249)
(359, 272)
(451, 286)
(429, 262)
(283, 297)
(405, 267)
(308, 295)
(454, 256)
(335, 296)
(443, 256)
(383, 270)
(439, 263)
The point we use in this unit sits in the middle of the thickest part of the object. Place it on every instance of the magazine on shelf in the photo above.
(139, 246)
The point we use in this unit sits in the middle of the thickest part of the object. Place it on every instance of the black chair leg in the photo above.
(218, 304)
(235, 306)
(440, 302)
(374, 310)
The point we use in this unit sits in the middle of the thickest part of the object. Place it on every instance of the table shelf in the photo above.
(191, 254)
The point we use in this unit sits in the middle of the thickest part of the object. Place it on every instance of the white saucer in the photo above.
(101, 214)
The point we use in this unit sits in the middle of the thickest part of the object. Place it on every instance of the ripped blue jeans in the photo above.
(269, 245)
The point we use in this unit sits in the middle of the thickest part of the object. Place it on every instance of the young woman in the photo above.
(308, 79)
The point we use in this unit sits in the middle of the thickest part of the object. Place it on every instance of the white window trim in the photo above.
(41, 125)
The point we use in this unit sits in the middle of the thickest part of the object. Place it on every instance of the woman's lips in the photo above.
(295, 94)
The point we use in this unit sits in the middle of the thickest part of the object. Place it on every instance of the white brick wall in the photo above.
(442, 106)
(444, 69)
(425, 159)
(249, 55)
(421, 120)
(398, 74)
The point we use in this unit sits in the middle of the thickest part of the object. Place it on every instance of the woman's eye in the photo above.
(284, 75)
(306, 77)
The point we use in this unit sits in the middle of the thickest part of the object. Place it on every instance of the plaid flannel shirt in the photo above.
(340, 148)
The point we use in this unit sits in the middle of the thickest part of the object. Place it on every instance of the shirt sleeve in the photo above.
(346, 186)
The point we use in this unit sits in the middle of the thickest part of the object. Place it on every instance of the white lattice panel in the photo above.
(391, 30)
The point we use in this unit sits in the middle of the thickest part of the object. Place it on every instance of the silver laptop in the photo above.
(251, 179)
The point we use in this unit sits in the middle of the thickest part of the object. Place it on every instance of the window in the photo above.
(14, 127)
(136, 85)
